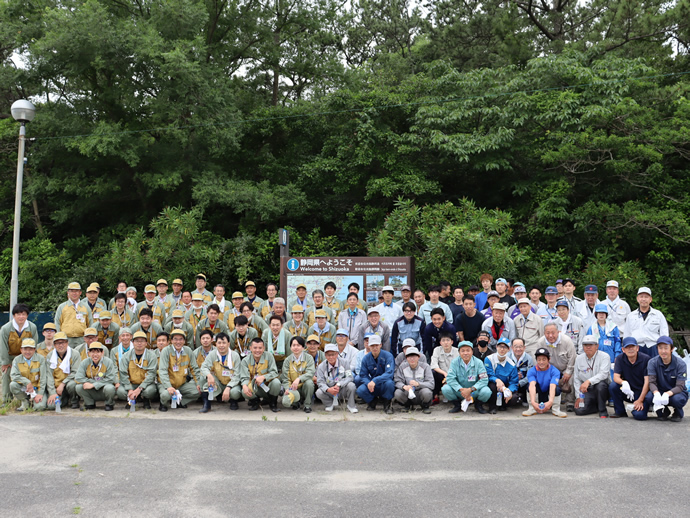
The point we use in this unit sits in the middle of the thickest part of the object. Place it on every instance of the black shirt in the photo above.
(470, 326)
(632, 373)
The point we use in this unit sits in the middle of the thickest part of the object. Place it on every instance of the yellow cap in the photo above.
(90, 331)
(237, 295)
(74, 286)
(150, 288)
(49, 325)
(178, 281)
(104, 315)
(200, 275)
(59, 336)
(161, 281)
(249, 283)
(92, 287)
(301, 285)
(97, 285)
(139, 334)
(297, 309)
(178, 332)
(177, 313)
(313, 338)
(197, 296)
(96, 345)
(28, 342)
(320, 313)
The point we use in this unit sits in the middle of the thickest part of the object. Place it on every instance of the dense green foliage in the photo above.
(529, 139)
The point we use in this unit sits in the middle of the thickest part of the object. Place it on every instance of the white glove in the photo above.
(664, 399)
(625, 389)
(507, 394)
(411, 394)
(466, 404)
(179, 396)
(657, 400)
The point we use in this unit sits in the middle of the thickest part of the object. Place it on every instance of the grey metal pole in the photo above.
(14, 283)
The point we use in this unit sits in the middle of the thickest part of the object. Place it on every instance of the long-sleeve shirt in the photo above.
(463, 375)
(422, 374)
(328, 375)
(11, 339)
(594, 370)
(138, 371)
(174, 367)
(33, 371)
(504, 370)
(381, 329)
(378, 369)
(225, 371)
(523, 365)
(301, 368)
(441, 360)
(562, 353)
(431, 333)
(646, 330)
(403, 329)
(105, 373)
(427, 307)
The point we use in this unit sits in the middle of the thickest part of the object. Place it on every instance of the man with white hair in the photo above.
(646, 324)
(335, 381)
(528, 325)
(414, 382)
(591, 379)
(498, 326)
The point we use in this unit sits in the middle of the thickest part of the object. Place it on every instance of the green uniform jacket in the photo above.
(10, 341)
(474, 376)
(250, 369)
(258, 323)
(194, 320)
(186, 367)
(97, 307)
(188, 332)
(285, 336)
(126, 320)
(207, 295)
(303, 330)
(220, 327)
(241, 345)
(132, 371)
(109, 338)
(310, 315)
(212, 365)
(106, 372)
(67, 322)
(159, 311)
(151, 334)
(58, 374)
(292, 369)
(36, 373)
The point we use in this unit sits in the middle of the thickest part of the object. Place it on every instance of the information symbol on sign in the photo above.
(293, 264)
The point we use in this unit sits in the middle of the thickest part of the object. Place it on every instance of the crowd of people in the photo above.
(490, 348)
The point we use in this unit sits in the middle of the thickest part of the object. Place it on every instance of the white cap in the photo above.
(500, 305)
(612, 284)
(372, 310)
(412, 350)
(388, 288)
(374, 340)
(407, 342)
(645, 289)
(331, 347)
(523, 300)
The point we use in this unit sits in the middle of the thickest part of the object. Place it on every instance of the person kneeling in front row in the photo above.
(376, 376)
(591, 379)
(335, 381)
(668, 375)
(503, 377)
(467, 380)
(544, 389)
(414, 381)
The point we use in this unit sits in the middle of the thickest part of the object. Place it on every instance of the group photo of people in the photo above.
(497, 346)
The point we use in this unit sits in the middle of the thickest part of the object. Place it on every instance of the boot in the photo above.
(23, 406)
(234, 405)
(407, 407)
(253, 403)
(206, 402)
(530, 411)
(556, 407)
(456, 407)
(147, 404)
(162, 408)
(425, 408)
(387, 407)
(75, 403)
(273, 403)
(479, 407)
(372, 406)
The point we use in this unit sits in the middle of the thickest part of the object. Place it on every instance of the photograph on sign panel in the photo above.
(313, 282)
(374, 285)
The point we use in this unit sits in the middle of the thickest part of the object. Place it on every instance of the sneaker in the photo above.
(353, 409)
(329, 408)
(603, 415)
(307, 410)
(435, 401)
(530, 411)
(676, 418)
(570, 408)
(617, 416)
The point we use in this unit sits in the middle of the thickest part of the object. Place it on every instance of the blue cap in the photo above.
(504, 341)
(342, 331)
(601, 308)
(465, 343)
(562, 303)
(501, 279)
(551, 290)
(519, 284)
(664, 340)
(367, 335)
(629, 340)
(591, 288)
(559, 281)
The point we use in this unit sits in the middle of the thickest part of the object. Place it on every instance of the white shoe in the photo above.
(329, 408)
(353, 409)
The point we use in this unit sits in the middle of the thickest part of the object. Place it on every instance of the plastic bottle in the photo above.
(210, 392)
(499, 398)
(542, 406)
(173, 403)
(582, 400)
(132, 405)
(58, 404)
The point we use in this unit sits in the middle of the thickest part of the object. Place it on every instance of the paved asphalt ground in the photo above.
(226, 463)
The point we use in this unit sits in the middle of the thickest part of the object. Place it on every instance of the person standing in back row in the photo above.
(646, 324)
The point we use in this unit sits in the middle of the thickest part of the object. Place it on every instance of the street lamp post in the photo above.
(22, 111)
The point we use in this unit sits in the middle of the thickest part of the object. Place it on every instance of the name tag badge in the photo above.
(471, 378)
(186, 370)
(95, 316)
(176, 368)
(226, 372)
(80, 317)
(108, 341)
(607, 342)
(98, 378)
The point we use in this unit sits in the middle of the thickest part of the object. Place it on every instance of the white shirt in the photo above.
(618, 311)
(389, 314)
(646, 331)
